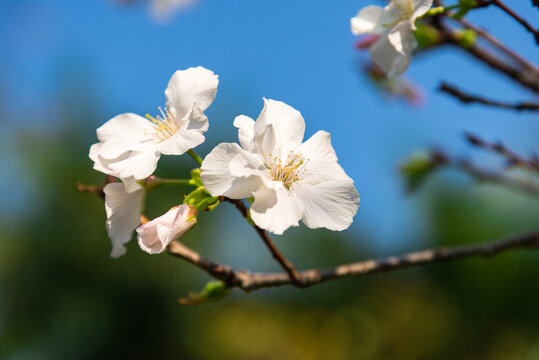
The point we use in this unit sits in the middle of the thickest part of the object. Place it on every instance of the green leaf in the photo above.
(426, 35)
(466, 38)
(213, 291)
(464, 7)
(416, 169)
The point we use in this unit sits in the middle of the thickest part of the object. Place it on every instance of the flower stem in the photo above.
(195, 156)
(152, 182)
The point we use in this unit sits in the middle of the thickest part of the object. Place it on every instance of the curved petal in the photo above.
(287, 122)
(154, 236)
(246, 132)
(321, 159)
(137, 164)
(189, 87)
(421, 7)
(124, 133)
(197, 120)
(123, 215)
(367, 20)
(100, 164)
(330, 204)
(393, 53)
(181, 142)
(216, 174)
(131, 184)
(276, 210)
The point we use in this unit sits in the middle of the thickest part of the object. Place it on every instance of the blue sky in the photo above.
(300, 52)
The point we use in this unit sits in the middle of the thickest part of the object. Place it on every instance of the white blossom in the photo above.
(290, 180)
(130, 145)
(156, 235)
(123, 209)
(394, 24)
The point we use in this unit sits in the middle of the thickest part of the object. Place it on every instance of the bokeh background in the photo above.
(68, 66)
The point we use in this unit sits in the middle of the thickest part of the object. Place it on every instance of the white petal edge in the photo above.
(367, 20)
(287, 122)
(124, 133)
(322, 162)
(138, 165)
(123, 215)
(189, 87)
(330, 204)
(276, 210)
(246, 132)
(154, 236)
(182, 141)
(393, 52)
(420, 8)
(217, 178)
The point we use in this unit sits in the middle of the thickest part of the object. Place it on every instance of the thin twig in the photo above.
(513, 158)
(518, 18)
(468, 99)
(498, 44)
(499, 178)
(528, 78)
(439, 158)
(98, 190)
(251, 281)
(277, 255)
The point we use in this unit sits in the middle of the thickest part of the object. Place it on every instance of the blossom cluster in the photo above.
(284, 178)
(392, 39)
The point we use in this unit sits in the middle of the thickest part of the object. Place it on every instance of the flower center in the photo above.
(287, 169)
(164, 125)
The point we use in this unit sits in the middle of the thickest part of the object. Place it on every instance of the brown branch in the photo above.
(518, 18)
(98, 190)
(498, 44)
(498, 148)
(499, 178)
(528, 78)
(439, 158)
(251, 281)
(468, 99)
(277, 255)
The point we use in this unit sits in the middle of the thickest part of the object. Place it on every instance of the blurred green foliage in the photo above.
(62, 297)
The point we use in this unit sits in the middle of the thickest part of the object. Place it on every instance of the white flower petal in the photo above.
(322, 162)
(288, 124)
(154, 236)
(246, 132)
(124, 133)
(217, 178)
(139, 165)
(187, 88)
(393, 53)
(421, 7)
(123, 215)
(276, 210)
(197, 120)
(181, 141)
(330, 204)
(367, 20)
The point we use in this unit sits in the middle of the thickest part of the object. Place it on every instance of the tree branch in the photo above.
(468, 99)
(251, 281)
(499, 148)
(526, 77)
(518, 18)
(498, 44)
(277, 255)
(439, 158)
